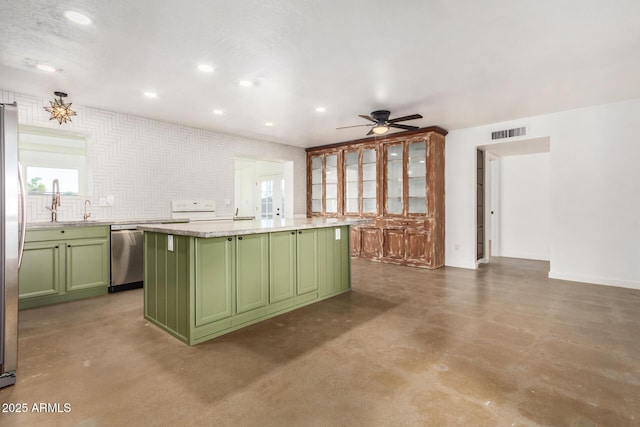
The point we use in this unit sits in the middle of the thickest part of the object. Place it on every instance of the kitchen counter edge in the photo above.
(235, 228)
(101, 222)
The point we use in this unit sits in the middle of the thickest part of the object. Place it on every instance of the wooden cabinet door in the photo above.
(215, 276)
(393, 243)
(87, 264)
(371, 242)
(40, 271)
(282, 265)
(252, 271)
(307, 261)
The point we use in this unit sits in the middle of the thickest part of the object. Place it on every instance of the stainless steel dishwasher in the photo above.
(126, 257)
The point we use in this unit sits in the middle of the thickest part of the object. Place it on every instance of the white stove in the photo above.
(195, 210)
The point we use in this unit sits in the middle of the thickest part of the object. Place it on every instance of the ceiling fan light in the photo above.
(380, 129)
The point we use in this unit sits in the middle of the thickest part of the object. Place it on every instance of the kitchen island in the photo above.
(205, 279)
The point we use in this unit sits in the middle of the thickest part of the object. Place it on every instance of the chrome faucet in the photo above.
(86, 215)
(55, 200)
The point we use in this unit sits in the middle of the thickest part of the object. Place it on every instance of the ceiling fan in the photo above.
(382, 123)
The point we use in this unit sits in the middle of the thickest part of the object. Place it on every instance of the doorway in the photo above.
(271, 194)
(515, 187)
(263, 188)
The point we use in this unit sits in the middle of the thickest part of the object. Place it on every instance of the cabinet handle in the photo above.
(57, 247)
(299, 232)
(293, 232)
(229, 239)
(240, 238)
(62, 231)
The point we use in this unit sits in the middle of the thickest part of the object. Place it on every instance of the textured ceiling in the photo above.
(458, 63)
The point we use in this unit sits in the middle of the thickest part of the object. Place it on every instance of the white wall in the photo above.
(525, 207)
(595, 182)
(145, 163)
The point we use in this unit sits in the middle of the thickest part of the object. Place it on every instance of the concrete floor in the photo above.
(501, 346)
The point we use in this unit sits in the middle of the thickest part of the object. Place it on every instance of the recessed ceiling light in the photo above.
(205, 68)
(321, 109)
(269, 124)
(77, 17)
(45, 67)
(151, 94)
(218, 112)
(245, 83)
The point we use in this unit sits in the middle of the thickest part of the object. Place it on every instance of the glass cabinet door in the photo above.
(394, 200)
(369, 186)
(417, 177)
(351, 180)
(316, 184)
(331, 183)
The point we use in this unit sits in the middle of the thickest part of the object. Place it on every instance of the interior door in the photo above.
(271, 193)
(480, 205)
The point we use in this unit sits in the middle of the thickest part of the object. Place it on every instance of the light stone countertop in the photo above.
(234, 228)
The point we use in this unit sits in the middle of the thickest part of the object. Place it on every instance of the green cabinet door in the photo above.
(40, 271)
(282, 266)
(87, 264)
(307, 261)
(64, 264)
(333, 260)
(215, 276)
(252, 271)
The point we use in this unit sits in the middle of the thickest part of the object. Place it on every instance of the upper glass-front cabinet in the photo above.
(360, 187)
(324, 197)
(394, 179)
(389, 178)
(352, 182)
(417, 177)
(369, 186)
(405, 178)
(331, 183)
(317, 182)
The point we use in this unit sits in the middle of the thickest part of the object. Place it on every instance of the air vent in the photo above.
(508, 133)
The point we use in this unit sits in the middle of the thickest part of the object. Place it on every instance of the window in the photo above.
(47, 154)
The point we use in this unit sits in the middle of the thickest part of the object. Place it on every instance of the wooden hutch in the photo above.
(397, 181)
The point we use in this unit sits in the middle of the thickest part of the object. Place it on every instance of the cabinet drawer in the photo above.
(66, 233)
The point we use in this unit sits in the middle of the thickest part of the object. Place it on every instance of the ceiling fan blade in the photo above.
(367, 118)
(370, 132)
(402, 119)
(405, 127)
(355, 126)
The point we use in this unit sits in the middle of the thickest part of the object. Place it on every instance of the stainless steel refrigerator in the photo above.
(11, 242)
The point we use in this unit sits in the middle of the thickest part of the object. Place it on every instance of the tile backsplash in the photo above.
(145, 163)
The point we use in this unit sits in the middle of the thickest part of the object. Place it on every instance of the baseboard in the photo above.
(594, 280)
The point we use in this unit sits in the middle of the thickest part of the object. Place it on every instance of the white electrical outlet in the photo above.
(337, 234)
(170, 242)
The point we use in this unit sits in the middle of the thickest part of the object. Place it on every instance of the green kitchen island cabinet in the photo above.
(64, 263)
(203, 280)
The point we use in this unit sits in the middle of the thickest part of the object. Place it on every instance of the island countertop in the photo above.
(208, 229)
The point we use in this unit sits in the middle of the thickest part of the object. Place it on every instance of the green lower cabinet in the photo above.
(40, 272)
(86, 265)
(282, 266)
(215, 276)
(334, 270)
(307, 261)
(55, 270)
(252, 272)
(211, 286)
